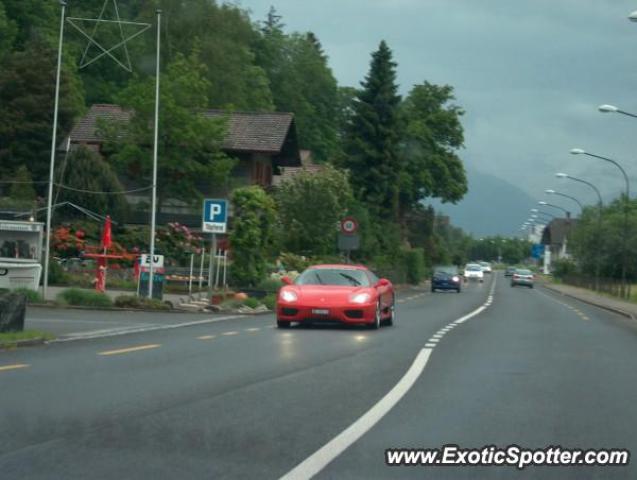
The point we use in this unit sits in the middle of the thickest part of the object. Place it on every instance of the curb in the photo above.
(105, 309)
(31, 342)
(618, 311)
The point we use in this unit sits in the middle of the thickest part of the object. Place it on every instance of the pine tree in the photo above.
(373, 136)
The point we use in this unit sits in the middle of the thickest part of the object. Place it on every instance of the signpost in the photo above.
(215, 220)
(348, 238)
(154, 268)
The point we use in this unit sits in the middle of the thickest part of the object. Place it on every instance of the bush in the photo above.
(270, 285)
(84, 298)
(294, 262)
(57, 275)
(563, 268)
(232, 303)
(132, 301)
(414, 265)
(33, 296)
(251, 302)
(269, 301)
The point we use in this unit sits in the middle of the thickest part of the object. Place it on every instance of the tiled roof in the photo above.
(247, 131)
(84, 129)
(254, 131)
(557, 230)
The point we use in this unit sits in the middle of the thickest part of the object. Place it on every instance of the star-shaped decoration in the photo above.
(78, 23)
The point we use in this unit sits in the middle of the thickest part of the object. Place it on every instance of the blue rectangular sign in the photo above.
(537, 250)
(215, 215)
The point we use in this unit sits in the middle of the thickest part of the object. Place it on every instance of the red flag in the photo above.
(107, 238)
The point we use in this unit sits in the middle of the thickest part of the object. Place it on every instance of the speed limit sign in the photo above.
(349, 226)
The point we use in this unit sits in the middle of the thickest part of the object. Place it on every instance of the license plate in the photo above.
(320, 311)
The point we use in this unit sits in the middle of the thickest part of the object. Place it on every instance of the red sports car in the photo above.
(348, 294)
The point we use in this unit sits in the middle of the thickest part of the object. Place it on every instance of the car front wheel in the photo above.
(375, 325)
(391, 320)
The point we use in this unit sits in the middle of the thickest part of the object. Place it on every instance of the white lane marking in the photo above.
(332, 449)
(317, 461)
(433, 340)
(438, 336)
(254, 329)
(233, 332)
(125, 331)
(206, 337)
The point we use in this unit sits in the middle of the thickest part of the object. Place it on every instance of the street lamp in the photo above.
(553, 192)
(599, 219)
(614, 109)
(568, 214)
(579, 151)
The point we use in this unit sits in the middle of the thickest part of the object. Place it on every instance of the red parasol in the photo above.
(107, 237)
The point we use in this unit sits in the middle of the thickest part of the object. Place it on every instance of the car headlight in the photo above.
(288, 296)
(360, 298)
(456, 278)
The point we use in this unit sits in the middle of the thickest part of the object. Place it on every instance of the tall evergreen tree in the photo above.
(373, 136)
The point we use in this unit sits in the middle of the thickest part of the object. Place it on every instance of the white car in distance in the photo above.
(473, 271)
(486, 267)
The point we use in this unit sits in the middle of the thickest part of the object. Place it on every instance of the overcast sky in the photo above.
(529, 73)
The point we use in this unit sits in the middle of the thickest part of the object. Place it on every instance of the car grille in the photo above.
(289, 311)
(354, 313)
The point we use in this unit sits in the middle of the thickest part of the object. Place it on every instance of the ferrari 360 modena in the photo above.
(348, 294)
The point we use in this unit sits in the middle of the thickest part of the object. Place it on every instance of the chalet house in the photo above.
(264, 143)
(555, 236)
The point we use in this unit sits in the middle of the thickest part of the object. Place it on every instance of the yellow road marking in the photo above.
(130, 349)
(13, 367)
(206, 337)
(234, 332)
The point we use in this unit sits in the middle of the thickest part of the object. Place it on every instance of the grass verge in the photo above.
(9, 339)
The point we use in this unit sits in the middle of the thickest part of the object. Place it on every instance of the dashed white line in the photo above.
(332, 449)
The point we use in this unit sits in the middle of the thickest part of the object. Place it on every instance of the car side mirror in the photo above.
(383, 282)
(286, 280)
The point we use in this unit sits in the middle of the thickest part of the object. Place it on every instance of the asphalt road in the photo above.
(240, 399)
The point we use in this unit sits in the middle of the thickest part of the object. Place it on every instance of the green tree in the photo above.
(8, 31)
(189, 144)
(27, 87)
(309, 206)
(23, 189)
(432, 135)
(83, 173)
(372, 144)
(252, 234)
(301, 82)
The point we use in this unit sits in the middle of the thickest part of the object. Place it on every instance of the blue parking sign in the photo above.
(215, 215)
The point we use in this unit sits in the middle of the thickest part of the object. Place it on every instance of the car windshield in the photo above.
(346, 277)
(473, 268)
(449, 269)
(523, 272)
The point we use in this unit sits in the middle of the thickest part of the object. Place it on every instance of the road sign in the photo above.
(215, 215)
(537, 250)
(158, 261)
(348, 242)
(349, 226)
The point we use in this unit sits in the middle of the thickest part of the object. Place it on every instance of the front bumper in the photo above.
(522, 281)
(352, 314)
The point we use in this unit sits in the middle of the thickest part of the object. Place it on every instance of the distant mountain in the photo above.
(491, 207)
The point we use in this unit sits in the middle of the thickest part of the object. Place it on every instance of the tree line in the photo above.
(387, 153)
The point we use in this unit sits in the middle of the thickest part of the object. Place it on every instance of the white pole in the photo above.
(49, 211)
(154, 196)
(225, 267)
(192, 262)
(218, 267)
(211, 265)
(203, 255)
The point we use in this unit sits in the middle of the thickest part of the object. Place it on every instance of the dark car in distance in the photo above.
(446, 277)
(509, 271)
